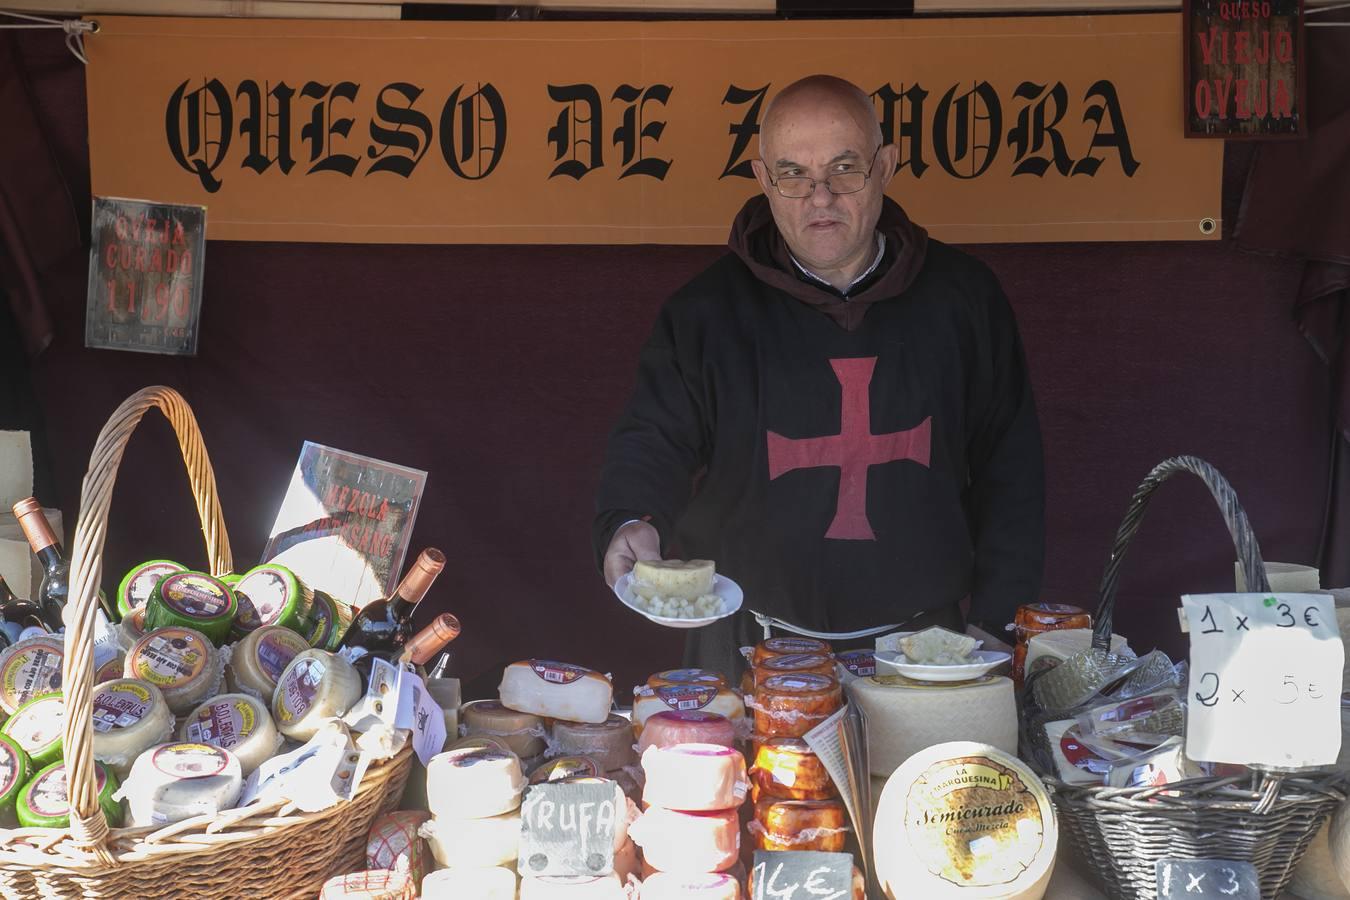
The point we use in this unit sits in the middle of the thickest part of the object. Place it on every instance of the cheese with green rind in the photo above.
(129, 717)
(328, 622)
(37, 727)
(44, 803)
(277, 597)
(138, 584)
(16, 770)
(192, 600)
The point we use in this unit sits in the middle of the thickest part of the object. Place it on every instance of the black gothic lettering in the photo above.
(1117, 137)
(905, 129)
(566, 136)
(322, 126)
(1034, 127)
(744, 130)
(416, 141)
(195, 145)
(466, 125)
(268, 131)
(631, 133)
(955, 135)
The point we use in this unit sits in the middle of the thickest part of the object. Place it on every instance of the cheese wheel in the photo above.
(44, 802)
(687, 676)
(686, 578)
(557, 690)
(788, 769)
(16, 769)
(30, 668)
(466, 843)
(782, 646)
(130, 717)
(795, 663)
(329, 620)
(132, 628)
(1004, 847)
(192, 600)
(177, 781)
(1050, 648)
(671, 727)
(37, 727)
(856, 664)
(372, 884)
(112, 669)
(580, 887)
(276, 597)
(492, 883)
(316, 686)
(394, 843)
(565, 767)
(523, 733)
(791, 705)
(1315, 876)
(259, 659)
(647, 702)
(904, 716)
(820, 825)
(609, 743)
(473, 784)
(138, 584)
(688, 842)
(694, 777)
(181, 662)
(235, 722)
(673, 886)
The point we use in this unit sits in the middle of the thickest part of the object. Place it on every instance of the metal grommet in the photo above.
(1208, 226)
(94, 26)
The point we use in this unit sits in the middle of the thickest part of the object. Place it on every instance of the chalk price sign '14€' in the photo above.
(1265, 679)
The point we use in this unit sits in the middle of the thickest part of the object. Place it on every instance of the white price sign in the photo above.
(1265, 679)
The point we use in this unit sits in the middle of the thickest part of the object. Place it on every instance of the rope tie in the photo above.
(75, 29)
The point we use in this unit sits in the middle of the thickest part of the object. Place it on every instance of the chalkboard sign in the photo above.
(1207, 879)
(568, 828)
(801, 875)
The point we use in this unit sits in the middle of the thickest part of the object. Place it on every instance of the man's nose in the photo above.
(821, 196)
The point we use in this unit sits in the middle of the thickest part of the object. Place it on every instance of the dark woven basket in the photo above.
(1264, 818)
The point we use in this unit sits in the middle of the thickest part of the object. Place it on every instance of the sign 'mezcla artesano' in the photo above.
(1009, 129)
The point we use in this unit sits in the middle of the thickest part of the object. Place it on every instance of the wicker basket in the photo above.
(265, 850)
(1264, 818)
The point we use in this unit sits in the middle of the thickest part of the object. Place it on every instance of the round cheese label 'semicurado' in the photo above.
(973, 821)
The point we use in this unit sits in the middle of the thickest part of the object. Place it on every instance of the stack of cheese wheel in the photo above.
(692, 794)
(686, 690)
(474, 795)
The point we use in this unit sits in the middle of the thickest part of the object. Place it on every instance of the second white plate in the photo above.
(982, 662)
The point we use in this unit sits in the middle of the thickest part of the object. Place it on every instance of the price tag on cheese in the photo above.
(801, 875)
(1207, 879)
(1265, 679)
(568, 828)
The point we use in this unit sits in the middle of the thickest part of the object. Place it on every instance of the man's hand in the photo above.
(632, 542)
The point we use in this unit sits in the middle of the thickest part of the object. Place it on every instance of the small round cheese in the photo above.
(44, 802)
(671, 727)
(609, 743)
(16, 769)
(819, 825)
(257, 661)
(782, 646)
(689, 842)
(466, 843)
(788, 769)
(138, 584)
(648, 701)
(37, 727)
(181, 662)
(473, 784)
(316, 686)
(522, 733)
(238, 723)
(177, 781)
(29, 668)
(329, 620)
(791, 705)
(492, 883)
(687, 676)
(192, 600)
(694, 777)
(130, 717)
(277, 597)
(688, 579)
(556, 690)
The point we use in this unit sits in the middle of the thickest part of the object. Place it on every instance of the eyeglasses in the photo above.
(797, 187)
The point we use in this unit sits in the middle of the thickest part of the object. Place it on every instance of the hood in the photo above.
(756, 240)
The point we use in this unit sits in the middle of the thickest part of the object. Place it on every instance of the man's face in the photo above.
(825, 231)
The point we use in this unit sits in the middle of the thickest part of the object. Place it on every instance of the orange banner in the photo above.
(1025, 129)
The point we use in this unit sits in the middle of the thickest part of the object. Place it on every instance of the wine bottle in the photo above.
(383, 626)
(51, 596)
(418, 650)
(19, 612)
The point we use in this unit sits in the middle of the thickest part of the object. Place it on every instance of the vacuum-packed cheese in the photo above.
(791, 705)
(489, 841)
(177, 781)
(820, 825)
(15, 771)
(29, 668)
(795, 663)
(671, 727)
(782, 646)
(45, 803)
(473, 784)
(688, 842)
(259, 659)
(491, 883)
(181, 662)
(192, 600)
(905, 716)
(556, 690)
(371, 884)
(394, 843)
(130, 717)
(238, 723)
(672, 886)
(609, 743)
(788, 769)
(647, 702)
(37, 727)
(1075, 763)
(694, 777)
(316, 686)
(1004, 847)
(705, 677)
(1050, 648)
(856, 664)
(522, 733)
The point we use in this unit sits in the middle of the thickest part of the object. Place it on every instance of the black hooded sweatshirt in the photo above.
(849, 462)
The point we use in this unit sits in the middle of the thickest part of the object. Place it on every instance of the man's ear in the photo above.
(886, 162)
(762, 176)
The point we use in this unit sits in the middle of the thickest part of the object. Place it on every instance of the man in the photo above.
(837, 412)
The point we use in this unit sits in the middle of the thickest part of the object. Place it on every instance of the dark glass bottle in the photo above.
(418, 650)
(23, 613)
(383, 626)
(51, 596)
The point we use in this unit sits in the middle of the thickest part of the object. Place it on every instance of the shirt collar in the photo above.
(863, 275)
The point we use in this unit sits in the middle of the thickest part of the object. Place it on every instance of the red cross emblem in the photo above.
(854, 450)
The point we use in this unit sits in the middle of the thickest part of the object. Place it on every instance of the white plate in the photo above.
(730, 592)
(982, 662)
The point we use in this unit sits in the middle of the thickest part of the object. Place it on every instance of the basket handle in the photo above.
(88, 827)
(1244, 541)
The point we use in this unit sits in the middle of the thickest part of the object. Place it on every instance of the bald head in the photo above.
(817, 95)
